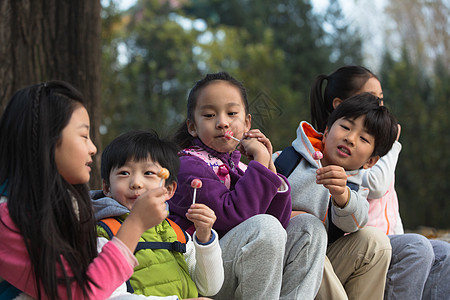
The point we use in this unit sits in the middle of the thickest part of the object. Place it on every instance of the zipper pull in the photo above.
(231, 162)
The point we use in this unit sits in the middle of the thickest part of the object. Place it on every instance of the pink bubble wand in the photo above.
(318, 156)
(230, 135)
(195, 184)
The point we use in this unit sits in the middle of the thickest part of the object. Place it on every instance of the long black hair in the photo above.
(54, 217)
(342, 83)
(182, 137)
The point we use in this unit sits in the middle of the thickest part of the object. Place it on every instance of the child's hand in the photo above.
(334, 179)
(256, 133)
(254, 150)
(148, 211)
(151, 207)
(255, 146)
(203, 218)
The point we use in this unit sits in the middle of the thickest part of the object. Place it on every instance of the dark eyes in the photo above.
(348, 128)
(213, 115)
(126, 173)
(364, 139)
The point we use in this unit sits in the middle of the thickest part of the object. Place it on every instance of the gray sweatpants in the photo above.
(264, 261)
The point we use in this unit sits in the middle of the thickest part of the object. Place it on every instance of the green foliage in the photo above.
(420, 104)
(149, 88)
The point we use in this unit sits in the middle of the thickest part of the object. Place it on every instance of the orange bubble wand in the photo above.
(164, 174)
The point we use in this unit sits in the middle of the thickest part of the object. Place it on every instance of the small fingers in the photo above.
(254, 133)
(266, 142)
(201, 209)
(331, 171)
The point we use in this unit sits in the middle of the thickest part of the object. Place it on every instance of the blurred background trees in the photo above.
(416, 80)
(153, 52)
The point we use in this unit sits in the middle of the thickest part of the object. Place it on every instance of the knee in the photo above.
(309, 225)
(267, 229)
(377, 246)
(412, 245)
(441, 251)
(377, 239)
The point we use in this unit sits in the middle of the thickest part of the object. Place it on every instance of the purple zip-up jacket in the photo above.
(252, 192)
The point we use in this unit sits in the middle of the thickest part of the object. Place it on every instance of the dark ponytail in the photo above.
(182, 136)
(342, 83)
(319, 110)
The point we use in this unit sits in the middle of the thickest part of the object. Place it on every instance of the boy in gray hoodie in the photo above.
(358, 132)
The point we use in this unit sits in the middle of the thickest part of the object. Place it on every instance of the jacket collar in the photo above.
(227, 158)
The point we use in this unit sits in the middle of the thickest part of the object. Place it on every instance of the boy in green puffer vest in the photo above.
(171, 263)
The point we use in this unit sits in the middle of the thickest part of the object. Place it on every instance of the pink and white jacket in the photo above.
(383, 202)
(113, 266)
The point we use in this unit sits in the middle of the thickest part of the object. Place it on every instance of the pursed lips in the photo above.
(222, 134)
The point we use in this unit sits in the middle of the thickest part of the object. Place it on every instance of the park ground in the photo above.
(432, 233)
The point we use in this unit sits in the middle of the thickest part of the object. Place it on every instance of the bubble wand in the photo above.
(318, 156)
(195, 184)
(230, 135)
(163, 174)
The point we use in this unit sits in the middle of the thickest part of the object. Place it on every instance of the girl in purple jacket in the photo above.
(266, 255)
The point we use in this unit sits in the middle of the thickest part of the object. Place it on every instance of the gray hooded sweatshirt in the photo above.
(314, 198)
(105, 207)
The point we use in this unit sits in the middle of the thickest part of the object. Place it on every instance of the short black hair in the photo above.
(140, 145)
(379, 121)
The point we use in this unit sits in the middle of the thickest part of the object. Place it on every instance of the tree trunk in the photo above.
(42, 40)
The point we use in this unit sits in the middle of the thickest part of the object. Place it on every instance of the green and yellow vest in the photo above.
(162, 269)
